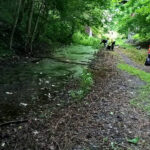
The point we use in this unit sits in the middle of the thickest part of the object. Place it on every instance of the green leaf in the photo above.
(134, 141)
(111, 113)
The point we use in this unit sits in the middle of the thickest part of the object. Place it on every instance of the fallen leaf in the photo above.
(134, 141)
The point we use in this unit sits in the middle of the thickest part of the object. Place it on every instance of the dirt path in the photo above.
(130, 62)
(103, 121)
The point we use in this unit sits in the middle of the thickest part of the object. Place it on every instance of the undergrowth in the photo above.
(4, 53)
(142, 101)
(138, 56)
(134, 71)
(85, 83)
(123, 44)
(84, 39)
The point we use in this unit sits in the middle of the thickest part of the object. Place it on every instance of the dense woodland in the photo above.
(29, 25)
(133, 17)
(26, 24)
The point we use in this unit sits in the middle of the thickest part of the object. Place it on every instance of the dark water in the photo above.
(26, 86)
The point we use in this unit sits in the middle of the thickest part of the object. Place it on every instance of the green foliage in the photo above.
(134, 16)
(26, 25)
(135, 55)
(84, 39)
(86, 80)
(85, 83)
(122, 43)
(114, 146)
(77, 94)
(4, 53)
(138, 56)
(134, 71)
(142, 101)
(134, 141)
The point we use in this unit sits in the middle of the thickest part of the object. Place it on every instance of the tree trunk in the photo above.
(30, 19)
(29, 26)
(15, 24)
(21, 16)
(35, 28)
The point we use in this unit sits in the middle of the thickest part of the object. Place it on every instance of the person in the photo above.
(147, 62)
(113, 45)
(104, 41)
(109, 44)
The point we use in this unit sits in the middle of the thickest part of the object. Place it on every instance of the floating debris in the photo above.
(9, 93)
(3, 144)
(23, 104)
(35, 132)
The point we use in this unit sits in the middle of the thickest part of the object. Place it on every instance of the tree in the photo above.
(15, 24)
(49, 21)
(134, 16)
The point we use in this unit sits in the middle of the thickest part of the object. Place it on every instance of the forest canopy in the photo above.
(133, 17)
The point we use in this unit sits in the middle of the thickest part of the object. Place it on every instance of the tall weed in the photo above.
(85, 83)
(84, 39)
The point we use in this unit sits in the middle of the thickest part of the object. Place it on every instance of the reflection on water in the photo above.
(25, 86)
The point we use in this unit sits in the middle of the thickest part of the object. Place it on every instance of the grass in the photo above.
(142, 101)
(122, 43)
(139, 56)
(85, 83)
(134, 71)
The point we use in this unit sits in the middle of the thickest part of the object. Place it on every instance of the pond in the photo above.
(27, 85)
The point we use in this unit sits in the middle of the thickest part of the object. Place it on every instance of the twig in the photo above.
(57, 144)
(13, 122)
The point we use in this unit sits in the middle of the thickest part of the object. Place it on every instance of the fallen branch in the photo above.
(13, 122)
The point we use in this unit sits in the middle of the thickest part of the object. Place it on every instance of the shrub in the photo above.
(86, 81)
(84, 39)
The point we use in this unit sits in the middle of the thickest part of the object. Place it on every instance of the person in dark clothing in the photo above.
(104, 42)
(109, 44)
(147, 62)
(113, 45)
